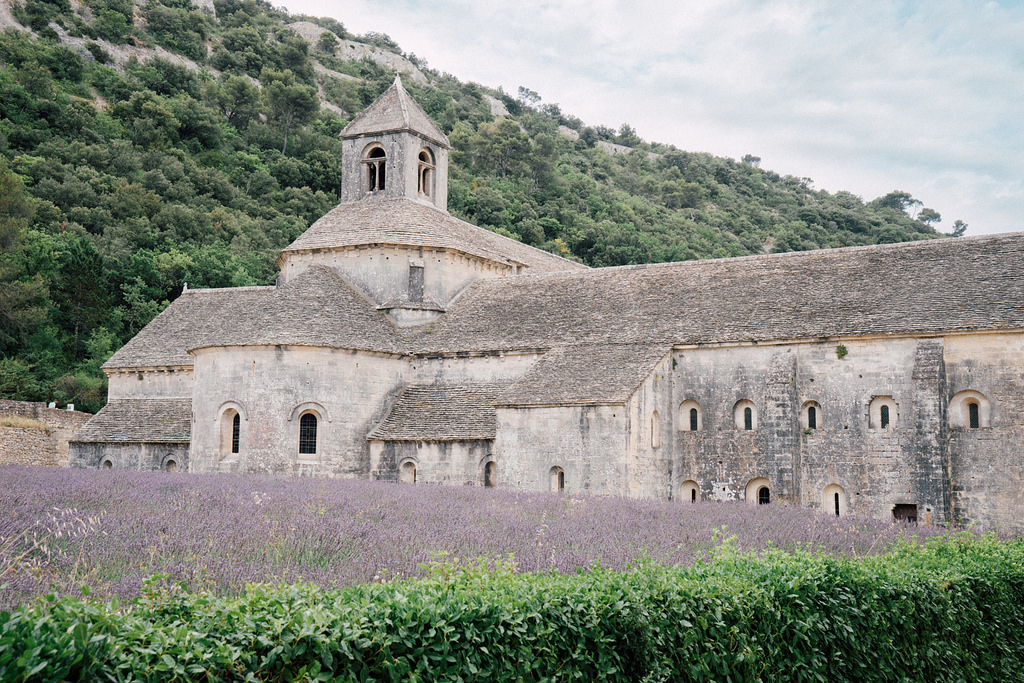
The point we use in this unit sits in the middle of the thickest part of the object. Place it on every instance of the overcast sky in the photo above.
(874, 96)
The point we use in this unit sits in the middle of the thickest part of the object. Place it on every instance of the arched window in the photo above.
(655, 430)
(408, 472)
(689, 491)
(491, 474)
(230, 433)
(690, 418)
(107, 464)
(170, 466)
(882, 413)
(758, 491)
(970, 410)
(745, 415)
(833, 500)
(425, 177)
(376, 169)
(307, 434)
(810, 415)
(557, 479)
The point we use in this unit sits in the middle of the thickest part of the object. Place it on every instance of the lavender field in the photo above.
(60, 529)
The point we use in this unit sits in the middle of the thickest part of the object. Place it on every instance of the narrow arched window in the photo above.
(236, 430)
(557, 477)
(425, 177)
(491, 475)
(376, 169)
(837, 503)
(307, 434)
(974, 415)
(693, 495)
(764, 496)
(693, 420)
(812, 418)
(884, 420)
(748, 419)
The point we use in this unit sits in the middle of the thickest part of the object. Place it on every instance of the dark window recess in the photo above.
(561, 480)
(376, 169)
(972, 409)
(693, 419)
(812, 418)
(416, 283)
(837, 505)
(748, 419)
(693, 495)
(307, 434)
(885, 416)
(236, 429)
(905, 512)
(764, 496)
(490, 475)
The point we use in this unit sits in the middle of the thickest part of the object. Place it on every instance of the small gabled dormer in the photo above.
(392, 149)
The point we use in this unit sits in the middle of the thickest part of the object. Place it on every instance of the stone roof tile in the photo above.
(140, 420)
(317, 308)
(441, 412)
(395, 110)
(926, 287)
(585, 375)
(403, 221)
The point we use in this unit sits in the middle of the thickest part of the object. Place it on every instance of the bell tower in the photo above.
(393, 150)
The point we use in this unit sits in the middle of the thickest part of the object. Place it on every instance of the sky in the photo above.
(871, 96)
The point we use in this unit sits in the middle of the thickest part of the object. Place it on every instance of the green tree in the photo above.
(289, 103)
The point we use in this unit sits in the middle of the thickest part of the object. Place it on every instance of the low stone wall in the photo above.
(33, 445)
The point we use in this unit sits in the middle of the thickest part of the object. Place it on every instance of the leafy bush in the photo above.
(950, 611)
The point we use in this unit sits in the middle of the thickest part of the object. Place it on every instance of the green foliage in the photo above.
(841, 351)
(950, 611)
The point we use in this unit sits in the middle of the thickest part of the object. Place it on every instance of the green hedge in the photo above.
(950, 611)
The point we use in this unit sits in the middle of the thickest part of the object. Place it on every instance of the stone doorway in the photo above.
(904, 512)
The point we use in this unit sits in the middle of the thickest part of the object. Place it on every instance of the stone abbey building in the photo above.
(402, 344)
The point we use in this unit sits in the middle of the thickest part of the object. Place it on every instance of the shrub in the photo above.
(952, 610)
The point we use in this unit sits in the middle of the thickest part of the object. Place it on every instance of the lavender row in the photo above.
(111, 531)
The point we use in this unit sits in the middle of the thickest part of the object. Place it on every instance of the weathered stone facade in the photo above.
(35, 446)
(405, 345)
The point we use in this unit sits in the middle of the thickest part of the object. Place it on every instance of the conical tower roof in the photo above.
(393, 112)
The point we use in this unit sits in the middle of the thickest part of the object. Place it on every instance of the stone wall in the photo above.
(587, 443)
(32, 446)
(143, 457)
(455, 463)
(270, 388)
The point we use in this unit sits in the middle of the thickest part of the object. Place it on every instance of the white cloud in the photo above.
(866, 97)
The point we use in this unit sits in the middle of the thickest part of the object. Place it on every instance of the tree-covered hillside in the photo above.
(145, 146)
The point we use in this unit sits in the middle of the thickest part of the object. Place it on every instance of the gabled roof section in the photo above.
(585, 375)
(195, 315)
(441, 412)
(317, 308)
(395, 111)
(929, 287)
(140, 420)
(402, 221)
